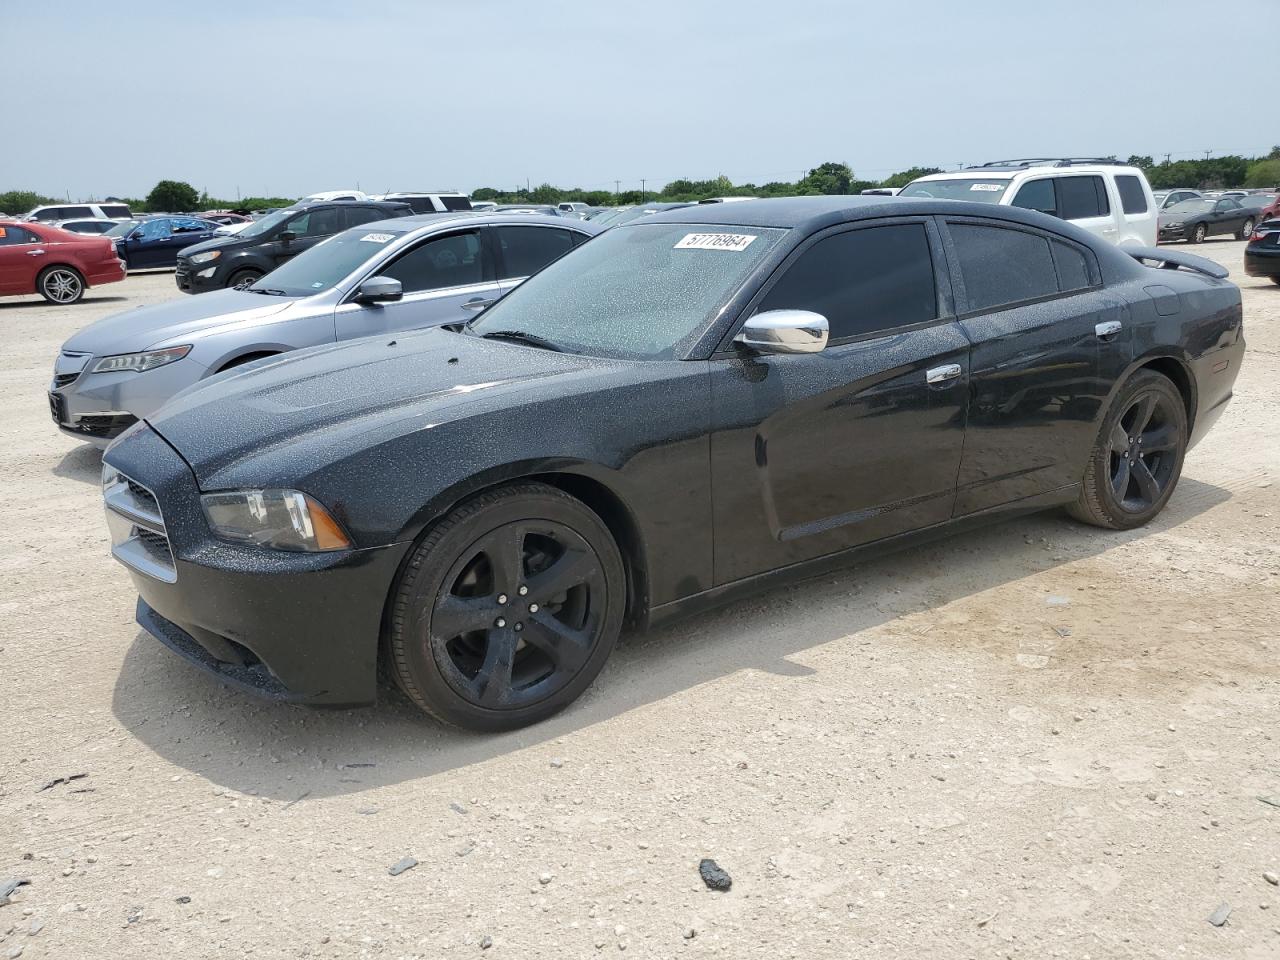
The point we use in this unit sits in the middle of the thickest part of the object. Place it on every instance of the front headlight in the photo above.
(283, 519)
(1177, 225)
(141, 362)
(205, 257)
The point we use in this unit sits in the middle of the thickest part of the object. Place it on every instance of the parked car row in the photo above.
(290, 522)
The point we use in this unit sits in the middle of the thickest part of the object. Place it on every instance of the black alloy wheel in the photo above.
(1199, 233)
(242, 278)
(1246, 229)
(508, 609)
(1137, 460)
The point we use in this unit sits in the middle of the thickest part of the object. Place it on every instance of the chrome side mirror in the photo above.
(379, 290)
(784, 331)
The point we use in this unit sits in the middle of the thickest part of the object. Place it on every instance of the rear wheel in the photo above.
(1199, 233)
(60, 284)
(1137, 459)
(1246, 228)
(1276, 280)
(242, 278)
(508, 609)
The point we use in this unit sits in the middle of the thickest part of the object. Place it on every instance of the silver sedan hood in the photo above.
(144, 327)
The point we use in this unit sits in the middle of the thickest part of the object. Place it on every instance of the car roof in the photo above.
(387, 204)
(815, 213)
(467, 217)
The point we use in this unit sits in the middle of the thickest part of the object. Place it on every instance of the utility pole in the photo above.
(1168, 158)
(617, 189)
(642, 189)
(1206, 154)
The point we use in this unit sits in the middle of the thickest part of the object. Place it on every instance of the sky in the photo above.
(289, 97)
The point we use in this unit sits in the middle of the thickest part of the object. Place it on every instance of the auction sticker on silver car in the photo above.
(735, 242)
(377, 237)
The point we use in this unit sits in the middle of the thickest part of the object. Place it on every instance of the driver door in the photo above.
(439, 275)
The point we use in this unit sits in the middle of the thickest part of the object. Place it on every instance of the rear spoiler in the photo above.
(1173, 259)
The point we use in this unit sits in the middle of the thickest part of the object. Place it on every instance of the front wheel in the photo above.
(60, 285)
(508, 609)
(1246, 229)
(1199, 233)
(242, 278)
(1137, 459)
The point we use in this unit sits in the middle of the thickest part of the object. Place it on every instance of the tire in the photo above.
(1146, 424)
(1246, 229)
(1199, 233)
(60, 284)
(1276, 280)
(468, 647)
(243, 276)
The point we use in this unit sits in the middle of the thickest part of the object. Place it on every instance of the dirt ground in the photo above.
(1043, 740)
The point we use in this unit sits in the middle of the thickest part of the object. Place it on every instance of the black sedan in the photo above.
(680, 411)
(155, 242)
(1262, 255)
(1194, 220)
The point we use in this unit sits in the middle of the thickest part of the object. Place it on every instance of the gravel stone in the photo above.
(713, 876)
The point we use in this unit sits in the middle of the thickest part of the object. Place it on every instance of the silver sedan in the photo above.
(383, 277)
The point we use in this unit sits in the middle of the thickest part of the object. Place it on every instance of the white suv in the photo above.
(434, 201)
(80, 211)
(1105, 197)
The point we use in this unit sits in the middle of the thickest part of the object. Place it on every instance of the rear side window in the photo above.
(116, 211)
(1133, 199)
(9, 235)
(456, 203)
(1002, 266)
(359, 215)
(70, 212)
(526, 250)
(1082, 197)
(1073, 268)
(452, 261)
(862, 281)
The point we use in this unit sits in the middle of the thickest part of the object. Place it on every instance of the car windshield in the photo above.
(259, 227)
(636, 293)
(1189, 206)
(981, 189)
(319, 268)
(121, 229)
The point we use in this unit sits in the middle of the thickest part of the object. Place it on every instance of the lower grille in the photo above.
(62, 379)
(139, 538)
(105, 427)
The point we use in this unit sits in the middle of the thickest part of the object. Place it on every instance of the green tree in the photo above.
(1264, 173)
(828, 178)
(906, 176)
(1138, 160)
(20, 201)
(173, 196)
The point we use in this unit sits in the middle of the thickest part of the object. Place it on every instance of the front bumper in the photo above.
(1167, 235)
(187, 276)
(299, 627)
(98, 407)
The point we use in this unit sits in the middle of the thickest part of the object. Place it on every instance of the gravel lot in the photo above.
(1040, 741)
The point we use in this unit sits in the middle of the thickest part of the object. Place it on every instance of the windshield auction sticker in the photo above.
(733, 242)
(377, 237)
(991, 187)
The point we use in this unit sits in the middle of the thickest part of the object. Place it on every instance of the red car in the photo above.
(57, 264)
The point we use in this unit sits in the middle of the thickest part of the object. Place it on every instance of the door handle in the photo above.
(479, 303)
(1108, 330)
(35, 253)
(948, 371)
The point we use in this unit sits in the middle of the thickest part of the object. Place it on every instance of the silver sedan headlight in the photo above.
(283, 519)
(141, 362)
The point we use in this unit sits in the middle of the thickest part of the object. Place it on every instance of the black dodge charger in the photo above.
(703, 403)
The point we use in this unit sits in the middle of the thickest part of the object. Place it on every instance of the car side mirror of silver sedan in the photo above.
(784, 331)
(379, 290)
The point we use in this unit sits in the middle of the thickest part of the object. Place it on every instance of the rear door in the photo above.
(1048, 341)
(439, 275)
(815, 453)
(183, 232)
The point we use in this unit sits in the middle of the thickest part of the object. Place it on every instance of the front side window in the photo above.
(1037, 195)
(526, 250)
(1133, 199)
(641, 292)
(324, 265)
(453, 261)
(157, 229)
(1002, 266)
(1082, 197)
(862, 281)
(50, 213)
(981, 189)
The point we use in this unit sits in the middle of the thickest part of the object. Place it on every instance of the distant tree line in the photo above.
(176, 196)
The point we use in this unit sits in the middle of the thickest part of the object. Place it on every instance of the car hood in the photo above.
(317, 403)
(142, 327)
(216, 243)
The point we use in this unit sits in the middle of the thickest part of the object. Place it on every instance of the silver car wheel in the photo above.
(62, 286)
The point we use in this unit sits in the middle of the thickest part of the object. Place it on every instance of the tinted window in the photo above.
(9, 234)
(451, 261)
(1133, 199)
(1073, 268)
(1228, 205)
(187, 225)
(317, 223)
(50, 213)
(862, 281)
(1080, 197)
(526, 250)
(1037, 195)
(116, 211)
(1002, 266)
(76, 212)
(456, 203)
(359, 215)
